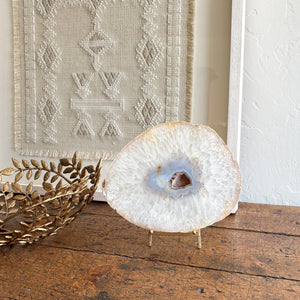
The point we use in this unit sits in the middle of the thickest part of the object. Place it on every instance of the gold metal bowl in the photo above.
(28, 214)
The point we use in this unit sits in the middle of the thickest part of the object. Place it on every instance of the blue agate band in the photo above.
(162, 180)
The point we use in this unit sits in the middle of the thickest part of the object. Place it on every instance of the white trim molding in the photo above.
(236, 78)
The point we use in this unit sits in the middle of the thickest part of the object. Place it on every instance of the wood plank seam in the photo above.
(212, 226)
(255, 231)
(167, 262)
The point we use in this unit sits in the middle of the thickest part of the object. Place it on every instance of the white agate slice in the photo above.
(175, 177)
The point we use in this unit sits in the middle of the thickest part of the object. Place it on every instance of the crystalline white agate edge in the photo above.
(195, 147)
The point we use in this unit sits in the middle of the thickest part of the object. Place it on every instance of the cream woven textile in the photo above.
(90, 75)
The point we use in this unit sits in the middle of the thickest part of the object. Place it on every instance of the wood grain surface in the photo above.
(251, 255)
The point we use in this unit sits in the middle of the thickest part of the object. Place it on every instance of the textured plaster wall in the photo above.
(270, 141)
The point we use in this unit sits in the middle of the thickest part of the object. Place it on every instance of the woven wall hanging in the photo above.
(90, 75)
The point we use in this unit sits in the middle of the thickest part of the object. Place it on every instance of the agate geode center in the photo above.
(176, 178)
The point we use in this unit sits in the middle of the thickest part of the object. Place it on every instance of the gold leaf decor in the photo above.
(26, 215)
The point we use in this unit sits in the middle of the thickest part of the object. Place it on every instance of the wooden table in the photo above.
(254, 254)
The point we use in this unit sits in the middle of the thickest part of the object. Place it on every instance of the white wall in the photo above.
(270, 141)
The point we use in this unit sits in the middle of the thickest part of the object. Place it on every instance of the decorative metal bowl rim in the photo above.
(27, 216)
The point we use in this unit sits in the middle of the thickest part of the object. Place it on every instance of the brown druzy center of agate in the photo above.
(180, 180)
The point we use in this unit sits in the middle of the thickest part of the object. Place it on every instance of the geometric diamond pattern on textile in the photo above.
(82, 81)
(49, 56)
(111, 128)
(49, 109)
(96, 73)
(148, 112)
(83, 127)
(111, 81)
(82, 78)
(45, 7)
(109, 78)
(97, 3)
(149, 52)
(149, 55)
(148, 3)
(50, 132)
(96, 43)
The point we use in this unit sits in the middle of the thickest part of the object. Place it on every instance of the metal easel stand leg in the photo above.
(193, 233)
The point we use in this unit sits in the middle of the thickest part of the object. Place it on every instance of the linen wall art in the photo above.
(91, 75)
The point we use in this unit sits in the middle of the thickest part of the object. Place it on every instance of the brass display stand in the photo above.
(195, 232)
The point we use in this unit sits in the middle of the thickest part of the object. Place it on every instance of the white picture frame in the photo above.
(236, 79)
